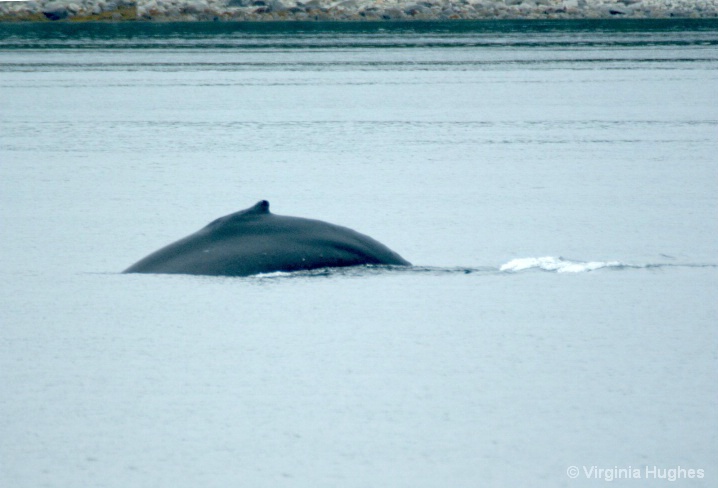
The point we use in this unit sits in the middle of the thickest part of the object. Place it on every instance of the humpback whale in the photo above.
(254, 241)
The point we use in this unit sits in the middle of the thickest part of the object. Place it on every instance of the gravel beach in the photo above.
(348, 10)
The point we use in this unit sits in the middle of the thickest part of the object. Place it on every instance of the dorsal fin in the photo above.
(261, 207)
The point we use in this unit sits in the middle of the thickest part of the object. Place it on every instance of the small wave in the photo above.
(559, 265)
(274, 274)
(361, 270)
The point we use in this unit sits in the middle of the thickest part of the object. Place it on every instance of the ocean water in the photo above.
(555, 185)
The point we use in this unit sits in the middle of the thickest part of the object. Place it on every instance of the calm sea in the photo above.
(554, 183)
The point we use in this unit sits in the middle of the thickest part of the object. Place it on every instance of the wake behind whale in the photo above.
(518, 266)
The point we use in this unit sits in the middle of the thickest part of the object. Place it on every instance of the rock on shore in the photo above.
(349, 10)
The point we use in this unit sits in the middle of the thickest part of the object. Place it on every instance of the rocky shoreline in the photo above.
(348, 10)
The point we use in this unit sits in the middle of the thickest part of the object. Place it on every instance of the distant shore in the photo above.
(347, 10)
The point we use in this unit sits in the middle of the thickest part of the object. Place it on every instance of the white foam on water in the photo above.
(272, 274)
(557, 264)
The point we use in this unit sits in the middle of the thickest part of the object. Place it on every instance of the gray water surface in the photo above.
(555, 184)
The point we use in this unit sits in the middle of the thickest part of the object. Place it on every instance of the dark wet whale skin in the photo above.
(256, 241)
